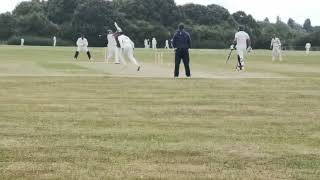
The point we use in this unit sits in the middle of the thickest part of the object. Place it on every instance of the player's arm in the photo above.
(279, 43)
(132, 43)
(117, 27)
(189, 40)
(174, 41)
(249, 42)
(234, 43)
(249, 49)
(78, 42)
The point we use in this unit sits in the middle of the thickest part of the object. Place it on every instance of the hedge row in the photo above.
(37, 41)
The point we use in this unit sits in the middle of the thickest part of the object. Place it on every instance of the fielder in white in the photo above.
(54, 41)
(276, 48)
(167, 45)
(82, 45)
(22, 42)
(242, 43)
(113, 51)
(154, 43)
(146, 44)
(127, 48)
(308, 47)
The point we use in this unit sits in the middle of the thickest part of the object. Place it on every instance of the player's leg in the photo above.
(110, 54)
(116, 55)
(121, 56)
(129, 52)
(274, 54)
(88, 53)
(77, 53)
(279, 54)
(240, 65)
(177, 63)
(186, 62)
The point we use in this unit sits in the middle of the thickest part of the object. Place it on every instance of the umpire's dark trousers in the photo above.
(184, 55)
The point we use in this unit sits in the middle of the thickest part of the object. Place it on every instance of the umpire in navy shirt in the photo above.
(181, 42)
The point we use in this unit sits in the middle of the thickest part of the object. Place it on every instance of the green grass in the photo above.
(77, 122)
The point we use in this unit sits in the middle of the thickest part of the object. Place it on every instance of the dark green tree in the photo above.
(93, 18)
(250, 24)
(307, 25)
(210, 26)
(7, 25)
(61, 11)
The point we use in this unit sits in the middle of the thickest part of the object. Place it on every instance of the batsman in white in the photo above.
(113, 51)
(126, 46)
(82, 45)
(242, 43)
(154, 43)
(276, 48)
(167, 45)
(54, 41)
(308, 47)
(22, 42)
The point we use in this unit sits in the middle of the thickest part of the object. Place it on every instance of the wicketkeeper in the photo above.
(82, 45)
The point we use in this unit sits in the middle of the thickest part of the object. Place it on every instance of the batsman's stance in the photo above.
(112, 48)
(242, 43)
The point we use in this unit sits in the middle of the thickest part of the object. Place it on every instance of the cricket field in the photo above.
(62, 119)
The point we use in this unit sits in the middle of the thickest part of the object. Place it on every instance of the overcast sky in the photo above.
(299, 10)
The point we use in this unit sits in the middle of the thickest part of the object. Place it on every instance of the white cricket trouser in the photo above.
(241, 52)
(113, 52)
(82, 49)
(276, 53)
(128, 52)
(308, 51)
(54, 44)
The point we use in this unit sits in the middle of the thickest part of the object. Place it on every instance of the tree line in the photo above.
(210, 26)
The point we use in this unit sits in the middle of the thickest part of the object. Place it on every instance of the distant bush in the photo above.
(37, 41)
(313, 38)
